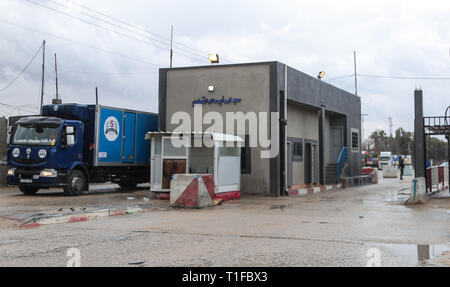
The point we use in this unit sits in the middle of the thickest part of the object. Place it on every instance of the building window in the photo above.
(355, 140)
(297, 149)
(246, 157)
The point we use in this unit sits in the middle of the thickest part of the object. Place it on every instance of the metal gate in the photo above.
(336, 143)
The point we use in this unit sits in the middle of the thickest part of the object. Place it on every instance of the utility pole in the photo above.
(356, 78)
(56, 101)
(171, 50)
(43, 73)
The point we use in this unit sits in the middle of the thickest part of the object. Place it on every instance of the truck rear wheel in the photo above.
(76, 183)
(28, 190)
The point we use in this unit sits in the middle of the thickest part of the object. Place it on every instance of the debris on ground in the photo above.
(218, 201)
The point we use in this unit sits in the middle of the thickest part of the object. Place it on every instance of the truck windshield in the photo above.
(385, 158)
(36, 134)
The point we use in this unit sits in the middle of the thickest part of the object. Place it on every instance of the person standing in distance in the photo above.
(401, 166)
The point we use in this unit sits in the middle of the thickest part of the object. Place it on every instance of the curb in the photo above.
(314, 190)
(81, 217)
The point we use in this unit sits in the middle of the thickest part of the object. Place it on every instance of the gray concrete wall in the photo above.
(327, 138)
(302, 123)
(250, 83)
(310, 91)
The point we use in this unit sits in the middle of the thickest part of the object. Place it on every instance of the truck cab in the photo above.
(42, 151)
(72, 145)
(385, 159)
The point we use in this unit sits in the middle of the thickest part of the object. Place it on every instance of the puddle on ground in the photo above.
(420, 253)
(282, 206)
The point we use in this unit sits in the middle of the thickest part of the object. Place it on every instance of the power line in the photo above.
(390, 77)
(134, 26)
(166, 41)
(79, 43)
(340, 77)
(404, 78)
(23, 70)
(20, 108)
(109, 29)
(106, 73)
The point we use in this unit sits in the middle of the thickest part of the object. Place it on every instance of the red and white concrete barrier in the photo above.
(192, 190)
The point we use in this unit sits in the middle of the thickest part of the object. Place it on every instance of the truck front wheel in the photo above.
(28, 190)
(76, 183)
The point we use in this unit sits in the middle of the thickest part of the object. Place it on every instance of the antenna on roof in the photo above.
(57, 100)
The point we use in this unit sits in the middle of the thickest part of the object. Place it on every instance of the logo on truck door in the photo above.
(111, 129)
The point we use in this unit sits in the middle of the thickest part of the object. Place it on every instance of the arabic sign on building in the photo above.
(222, 101)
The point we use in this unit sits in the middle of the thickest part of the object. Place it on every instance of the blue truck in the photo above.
(72, 145)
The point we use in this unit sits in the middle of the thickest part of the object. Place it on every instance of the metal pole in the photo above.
(56, 72)
(96, 96)
(285, 129)
(43, 73)
(356, 78)
(171, 50)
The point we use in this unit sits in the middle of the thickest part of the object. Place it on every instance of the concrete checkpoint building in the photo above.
(317, 121)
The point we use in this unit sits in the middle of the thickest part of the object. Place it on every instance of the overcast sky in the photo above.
(392, 38)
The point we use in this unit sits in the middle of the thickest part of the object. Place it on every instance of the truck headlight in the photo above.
(48, 173)
(12, 171)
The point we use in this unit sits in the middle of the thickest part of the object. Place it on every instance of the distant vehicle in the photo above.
(369, 159)
(72, 145)
(407, 159)
(384, 159)
(444, 164)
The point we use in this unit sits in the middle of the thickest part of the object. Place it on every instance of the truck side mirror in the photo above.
(70, 140)
(69, 130)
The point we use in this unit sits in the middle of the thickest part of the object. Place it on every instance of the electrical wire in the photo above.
(23, 70)
(111, 30)
(79, 43)
(166, 41)
(135, 26)
(390, 77)
(404, 78)
(107, 74)
(340, 77)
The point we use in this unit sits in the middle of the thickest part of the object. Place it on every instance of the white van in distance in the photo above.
(384, 159)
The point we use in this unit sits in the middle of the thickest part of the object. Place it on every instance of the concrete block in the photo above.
(189, 190)
(418, 192)
(408, 171)
(389, 172)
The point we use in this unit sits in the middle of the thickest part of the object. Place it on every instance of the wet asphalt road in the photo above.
(325, 229)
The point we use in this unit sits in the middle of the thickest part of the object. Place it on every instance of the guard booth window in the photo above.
(355, 140)
(246, 158)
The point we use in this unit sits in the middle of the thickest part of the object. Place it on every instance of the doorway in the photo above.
(336, 143)
(310, 163)
(289, 163)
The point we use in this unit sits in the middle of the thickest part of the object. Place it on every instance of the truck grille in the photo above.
(28, 161)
